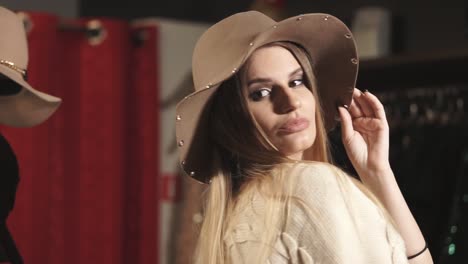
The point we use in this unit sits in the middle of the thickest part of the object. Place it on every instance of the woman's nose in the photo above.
(288, 101)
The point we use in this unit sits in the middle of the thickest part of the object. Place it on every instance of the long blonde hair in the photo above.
(243, 165)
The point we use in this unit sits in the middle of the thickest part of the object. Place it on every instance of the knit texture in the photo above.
(345, 226)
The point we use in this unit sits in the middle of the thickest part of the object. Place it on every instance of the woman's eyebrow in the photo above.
(264, 80)
(258, 80)
(295, 71)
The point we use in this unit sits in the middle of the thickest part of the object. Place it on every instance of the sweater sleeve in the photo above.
(334, 220)
(321, 216)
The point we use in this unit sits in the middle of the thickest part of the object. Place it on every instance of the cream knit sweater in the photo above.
(330, 235)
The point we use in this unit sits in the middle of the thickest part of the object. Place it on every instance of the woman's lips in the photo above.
(294, 125)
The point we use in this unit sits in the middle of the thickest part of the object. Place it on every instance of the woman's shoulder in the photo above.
(319, 182)
(313, 172)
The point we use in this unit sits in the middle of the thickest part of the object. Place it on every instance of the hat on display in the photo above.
(20, 104)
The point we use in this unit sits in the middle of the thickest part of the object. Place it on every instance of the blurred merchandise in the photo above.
(371, 27)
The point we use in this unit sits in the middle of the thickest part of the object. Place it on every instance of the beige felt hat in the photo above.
(224, 48)
(27, 107)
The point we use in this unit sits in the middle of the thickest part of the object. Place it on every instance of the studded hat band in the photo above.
(12, 66)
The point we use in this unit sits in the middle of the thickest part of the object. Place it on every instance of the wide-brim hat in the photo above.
(223, 49)
(29, 106)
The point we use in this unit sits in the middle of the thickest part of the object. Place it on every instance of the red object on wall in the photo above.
(88, 189)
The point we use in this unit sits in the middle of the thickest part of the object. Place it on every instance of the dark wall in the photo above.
(192, 10)
(420, 25)
(64, 8)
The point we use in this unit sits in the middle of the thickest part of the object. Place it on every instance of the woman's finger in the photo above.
(355, 110)
(346, 124)
(376, 105)
(364, 105)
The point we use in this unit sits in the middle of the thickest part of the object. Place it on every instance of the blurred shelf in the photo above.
(412, 70)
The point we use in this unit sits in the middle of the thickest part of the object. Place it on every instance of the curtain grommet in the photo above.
(95, 32)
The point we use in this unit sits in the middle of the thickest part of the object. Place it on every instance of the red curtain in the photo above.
(88, 190)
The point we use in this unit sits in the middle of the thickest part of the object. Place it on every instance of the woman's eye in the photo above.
(295, 83)
(259, 94)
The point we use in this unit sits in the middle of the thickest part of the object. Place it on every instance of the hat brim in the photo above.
(193, 114)
(333, 53)
(27, 108)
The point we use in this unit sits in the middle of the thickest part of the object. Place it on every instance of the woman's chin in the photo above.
(295, 149)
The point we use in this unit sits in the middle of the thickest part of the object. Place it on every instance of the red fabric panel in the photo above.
(70, 85)
(103, 81)
(47, 182)
(142, 214)
(88, 189)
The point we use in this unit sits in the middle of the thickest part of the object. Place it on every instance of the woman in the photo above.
(255, 130)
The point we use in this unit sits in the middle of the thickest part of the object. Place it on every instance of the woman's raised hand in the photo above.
(365, 134)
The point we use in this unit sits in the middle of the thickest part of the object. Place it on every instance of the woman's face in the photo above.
(280, 102)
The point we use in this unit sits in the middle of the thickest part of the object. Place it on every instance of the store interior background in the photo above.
(426, 67)
(431, 25)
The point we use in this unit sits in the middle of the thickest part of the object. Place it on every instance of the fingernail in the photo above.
(366, 91)
(338, 106)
